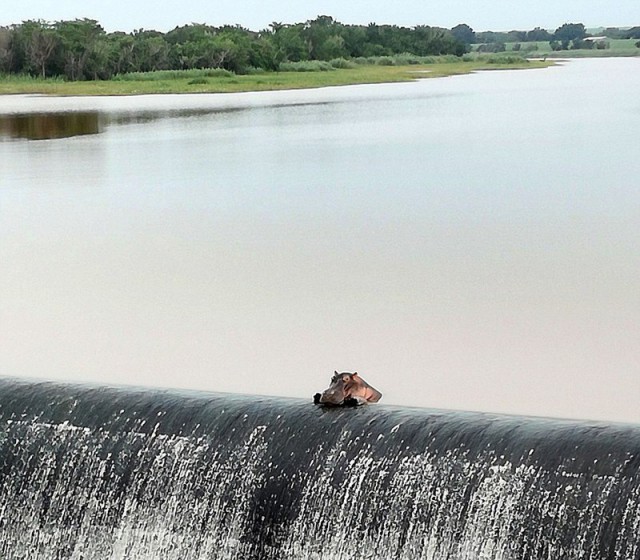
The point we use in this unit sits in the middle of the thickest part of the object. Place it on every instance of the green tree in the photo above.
(149, 52)
(397, 39)
(5, 49)
(516, 36)
(538, 34)
(19, 49)
(17, 53)
(374, 45)
(41, 42)
(121, 52)
(81, 53)
(192, 33)
(235, 52)
(189, 45)
(569, 32)
(355, 39)
(582, 44)
(464, 33)
(614, 33)
(321, 36)
(492, 47)
(187, 55)
(262, 53)
(633, 33)
(434, 41)
(101, 62)
(288, 43)
(332, 47)
(491, 37)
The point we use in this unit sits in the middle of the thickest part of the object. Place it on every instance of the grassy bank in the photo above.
(216, 81)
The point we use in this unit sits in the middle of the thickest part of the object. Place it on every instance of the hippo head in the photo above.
(339, 389)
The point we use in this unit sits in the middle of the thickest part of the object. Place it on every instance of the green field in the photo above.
(215, 81)
(617, 47)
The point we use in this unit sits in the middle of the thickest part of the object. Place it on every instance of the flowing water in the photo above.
(475, 237)
(113, 474)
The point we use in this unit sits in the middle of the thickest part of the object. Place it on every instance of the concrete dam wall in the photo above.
(103, 473)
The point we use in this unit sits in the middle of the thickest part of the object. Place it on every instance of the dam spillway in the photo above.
(104, 473)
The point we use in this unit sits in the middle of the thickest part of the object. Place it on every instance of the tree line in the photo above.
(568, 35)
(567, 31)
(81, 49)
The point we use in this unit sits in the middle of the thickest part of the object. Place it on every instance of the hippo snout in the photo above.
(332, 396)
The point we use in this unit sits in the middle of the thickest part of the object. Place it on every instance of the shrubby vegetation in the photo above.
(82, 50)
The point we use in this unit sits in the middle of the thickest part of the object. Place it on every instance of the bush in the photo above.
(306, 66)
(492, 47)
(342, 63)
(28, 78)
(385, 61)
(218, 73)
(407, 59)
(196, 73)
(506, 59)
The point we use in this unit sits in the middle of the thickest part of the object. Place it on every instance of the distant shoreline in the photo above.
(202, 82)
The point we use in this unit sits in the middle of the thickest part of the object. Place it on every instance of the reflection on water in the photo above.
(49, 125)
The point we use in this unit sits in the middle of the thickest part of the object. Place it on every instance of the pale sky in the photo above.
(163, 15)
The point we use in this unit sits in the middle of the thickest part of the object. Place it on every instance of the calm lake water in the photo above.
(468, 242)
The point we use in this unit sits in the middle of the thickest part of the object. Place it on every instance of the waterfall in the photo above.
(108, 473)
